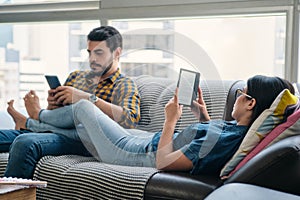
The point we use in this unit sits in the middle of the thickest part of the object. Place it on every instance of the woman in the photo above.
(203, 147)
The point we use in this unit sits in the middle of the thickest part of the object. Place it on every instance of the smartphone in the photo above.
(187, 84)
(52, 81)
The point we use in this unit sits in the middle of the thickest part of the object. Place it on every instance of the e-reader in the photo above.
(188, 83)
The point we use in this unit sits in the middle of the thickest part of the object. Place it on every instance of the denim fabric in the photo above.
(214, 144)
(102, 136)
(7, 137)
(108, 141)
(60, 120)
(63, 117)
(27, 149)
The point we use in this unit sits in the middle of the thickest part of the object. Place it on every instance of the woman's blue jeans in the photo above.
(105, 139)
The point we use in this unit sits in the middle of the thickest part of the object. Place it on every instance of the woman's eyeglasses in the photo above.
(240, 92)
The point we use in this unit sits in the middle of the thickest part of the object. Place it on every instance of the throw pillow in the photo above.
(267, 120)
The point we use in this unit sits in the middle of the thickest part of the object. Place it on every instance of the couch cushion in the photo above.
(3, 163)
(260, 128)
(78, 177)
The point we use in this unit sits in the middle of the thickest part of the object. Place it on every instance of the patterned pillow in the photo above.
(289, 128)
(260, 128)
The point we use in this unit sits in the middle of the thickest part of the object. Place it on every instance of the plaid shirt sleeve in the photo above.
(127, 96)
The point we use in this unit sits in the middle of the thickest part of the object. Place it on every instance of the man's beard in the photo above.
(93, 74)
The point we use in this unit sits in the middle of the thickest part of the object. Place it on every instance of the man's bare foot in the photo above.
(19, 119)
(32, 104)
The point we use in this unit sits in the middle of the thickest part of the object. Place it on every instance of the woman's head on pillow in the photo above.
(264, 90)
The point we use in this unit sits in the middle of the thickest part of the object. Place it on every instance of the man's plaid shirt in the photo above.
(117, 89)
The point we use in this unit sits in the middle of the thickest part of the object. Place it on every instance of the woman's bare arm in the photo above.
(166, 157)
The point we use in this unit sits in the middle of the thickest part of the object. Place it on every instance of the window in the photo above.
(226, 47)
(29, 51)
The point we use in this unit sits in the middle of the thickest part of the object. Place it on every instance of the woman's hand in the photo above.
(173, 110)
(199, 108)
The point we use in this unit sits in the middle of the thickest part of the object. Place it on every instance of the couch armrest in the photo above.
(277, 167)
(176, 185)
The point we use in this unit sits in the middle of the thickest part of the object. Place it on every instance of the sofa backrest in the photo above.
(155, 92)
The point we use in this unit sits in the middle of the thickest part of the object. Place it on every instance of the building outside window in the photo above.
(29, 51)
(238, 46)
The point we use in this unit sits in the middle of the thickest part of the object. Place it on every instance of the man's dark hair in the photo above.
(107, 33)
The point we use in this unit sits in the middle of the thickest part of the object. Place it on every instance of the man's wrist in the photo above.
(93, 98)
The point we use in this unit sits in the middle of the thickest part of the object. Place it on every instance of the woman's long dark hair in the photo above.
(265, 90)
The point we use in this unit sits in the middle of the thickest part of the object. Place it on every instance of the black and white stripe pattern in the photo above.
(77, 177)
(3, 163)
(156, 92)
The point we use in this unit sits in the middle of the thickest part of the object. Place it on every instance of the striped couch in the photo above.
(77, 177)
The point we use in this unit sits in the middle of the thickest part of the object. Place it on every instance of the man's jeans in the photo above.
(28, 148)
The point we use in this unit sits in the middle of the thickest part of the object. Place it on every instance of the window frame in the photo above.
(50, 11)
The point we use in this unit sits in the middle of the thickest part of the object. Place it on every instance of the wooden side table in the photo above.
(17, 192)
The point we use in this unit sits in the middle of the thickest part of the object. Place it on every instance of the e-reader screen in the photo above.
(188, 83)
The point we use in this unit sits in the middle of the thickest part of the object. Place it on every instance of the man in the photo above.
(116, 95)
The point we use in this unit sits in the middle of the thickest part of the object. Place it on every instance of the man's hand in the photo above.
(199, 108)
(52, 101)
(68, 95)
